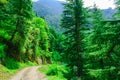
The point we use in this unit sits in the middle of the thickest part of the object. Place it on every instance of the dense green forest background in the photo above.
(87, 47)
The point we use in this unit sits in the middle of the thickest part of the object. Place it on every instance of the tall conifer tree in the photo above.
(72, 22)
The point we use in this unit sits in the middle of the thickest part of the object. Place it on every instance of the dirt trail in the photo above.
(30, 73)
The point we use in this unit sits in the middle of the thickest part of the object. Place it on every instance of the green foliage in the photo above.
(91, 54)
(100, 56)
(56, 57)
(11, 63)
(55, 71)
(73, 22)
(2, 51)
(26, 37)
(51, 13)
(3, 1)
(56, 78)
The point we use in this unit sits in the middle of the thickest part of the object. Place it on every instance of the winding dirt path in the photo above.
(30, 73)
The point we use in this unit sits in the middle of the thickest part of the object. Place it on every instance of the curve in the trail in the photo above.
(29, 73)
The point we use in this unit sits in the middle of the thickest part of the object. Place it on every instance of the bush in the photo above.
(11, 63)
(55, 71)
(2, 53)
(58, 70)
(56, 56)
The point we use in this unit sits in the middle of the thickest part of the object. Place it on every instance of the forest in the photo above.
(87, 47)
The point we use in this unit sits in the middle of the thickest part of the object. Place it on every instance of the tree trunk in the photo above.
(77, 38)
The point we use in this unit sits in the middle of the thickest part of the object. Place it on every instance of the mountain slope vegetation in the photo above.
(50, 10)
(87, 48)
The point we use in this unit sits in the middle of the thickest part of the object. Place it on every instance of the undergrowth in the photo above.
(54, 71)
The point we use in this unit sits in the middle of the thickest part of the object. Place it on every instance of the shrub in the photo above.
(11, 63)
(2, 53)
(56, 69)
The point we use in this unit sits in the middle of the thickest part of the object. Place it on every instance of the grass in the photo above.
(54, 71)
(6, 73)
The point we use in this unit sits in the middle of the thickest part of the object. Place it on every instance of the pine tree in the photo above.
(102, 48)
(117, 15)
(94, 51)
(72, 22)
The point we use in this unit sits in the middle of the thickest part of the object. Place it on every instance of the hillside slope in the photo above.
(51, 10)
